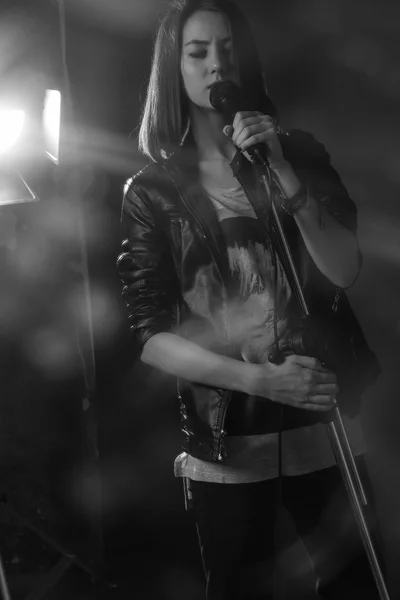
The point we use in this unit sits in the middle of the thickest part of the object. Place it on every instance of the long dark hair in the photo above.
(166, 109)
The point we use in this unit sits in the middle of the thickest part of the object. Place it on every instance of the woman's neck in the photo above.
(212, 143)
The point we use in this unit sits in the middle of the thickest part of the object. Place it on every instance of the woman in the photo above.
(208, 297)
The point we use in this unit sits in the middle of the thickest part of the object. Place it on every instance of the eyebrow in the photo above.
(205, 42)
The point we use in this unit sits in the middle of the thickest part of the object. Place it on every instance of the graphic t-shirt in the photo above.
(261, 284)
(248, 323)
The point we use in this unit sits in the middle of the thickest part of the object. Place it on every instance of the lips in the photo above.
(209, 86)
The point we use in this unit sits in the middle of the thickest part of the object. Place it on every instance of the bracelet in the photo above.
(293, 204)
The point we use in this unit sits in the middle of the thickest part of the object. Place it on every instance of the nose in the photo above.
(218, 62)
(217, 68)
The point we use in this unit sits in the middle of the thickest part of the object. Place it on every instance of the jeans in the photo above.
(235, 525)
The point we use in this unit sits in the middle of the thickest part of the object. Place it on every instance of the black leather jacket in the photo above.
(171, 229)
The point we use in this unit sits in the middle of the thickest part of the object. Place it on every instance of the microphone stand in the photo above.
(335, 427)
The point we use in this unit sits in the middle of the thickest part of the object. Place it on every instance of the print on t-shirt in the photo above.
(248, 317)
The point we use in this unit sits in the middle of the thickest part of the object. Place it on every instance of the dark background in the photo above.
(87, 447)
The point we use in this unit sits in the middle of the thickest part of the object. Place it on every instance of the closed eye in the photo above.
(201, 54)
(225, 49)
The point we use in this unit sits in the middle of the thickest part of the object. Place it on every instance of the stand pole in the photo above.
(335, 428)
(5, 593)
(355, 491)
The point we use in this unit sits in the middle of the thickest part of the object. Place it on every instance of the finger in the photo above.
(248, 114)
(244, 114)
(248, 134)
(228, 130)
(249, 131)
(316, 407)
(245, 124)
(309, 362)
(314, 381)
(239, 124)
(331, 389)
(325, 377)
(242, 128)
(259, 138)
(320, 377)
(321, 399)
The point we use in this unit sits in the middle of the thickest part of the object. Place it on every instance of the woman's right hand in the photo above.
(300, 381)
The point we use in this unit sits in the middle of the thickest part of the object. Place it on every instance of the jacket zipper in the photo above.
(218, 442)
(335, 304)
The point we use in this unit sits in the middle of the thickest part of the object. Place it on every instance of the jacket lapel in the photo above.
(197, 202)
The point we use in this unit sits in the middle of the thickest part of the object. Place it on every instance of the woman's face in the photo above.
(207, 55)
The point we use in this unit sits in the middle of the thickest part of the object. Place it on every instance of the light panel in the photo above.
(52, 124)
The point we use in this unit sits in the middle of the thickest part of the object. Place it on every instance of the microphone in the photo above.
(228, 99)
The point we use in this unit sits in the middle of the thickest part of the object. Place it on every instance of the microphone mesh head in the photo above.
(226, 98)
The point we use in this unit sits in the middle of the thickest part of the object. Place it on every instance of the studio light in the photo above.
(26, 138)
(11, 126)
(13, 187)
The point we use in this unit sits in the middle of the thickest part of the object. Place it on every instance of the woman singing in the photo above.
(208, 297)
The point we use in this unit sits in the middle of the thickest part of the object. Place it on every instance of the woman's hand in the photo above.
(252, 127)
(300, 381)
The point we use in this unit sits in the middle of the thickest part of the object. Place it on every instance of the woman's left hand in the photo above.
(252, 127)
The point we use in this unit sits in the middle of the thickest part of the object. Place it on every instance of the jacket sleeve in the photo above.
(312, 165)
(146, 268)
